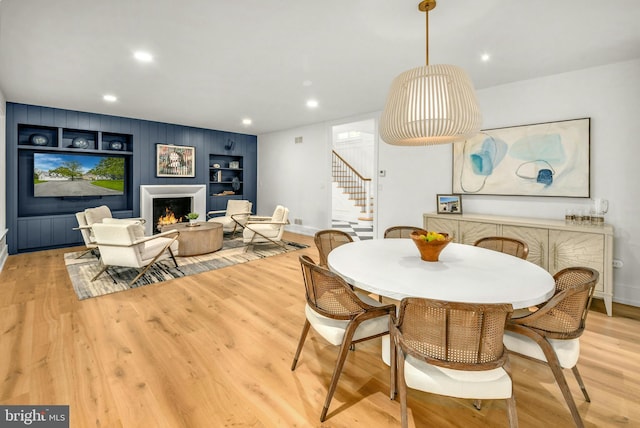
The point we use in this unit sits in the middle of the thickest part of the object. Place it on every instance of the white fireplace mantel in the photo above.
(197, 193)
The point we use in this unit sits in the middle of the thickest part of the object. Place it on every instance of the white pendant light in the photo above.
(434, 104)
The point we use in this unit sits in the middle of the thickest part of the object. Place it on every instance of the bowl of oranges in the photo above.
(430, 244)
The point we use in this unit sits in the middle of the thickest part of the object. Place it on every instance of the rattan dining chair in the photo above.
(339, 315)
(551, 333)
(400, 231)
(512, 246)
(327, 240)
(451, 349)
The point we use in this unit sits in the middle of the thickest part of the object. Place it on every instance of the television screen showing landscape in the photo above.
(71, 175)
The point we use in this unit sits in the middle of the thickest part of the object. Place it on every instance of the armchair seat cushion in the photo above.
(240, 209)
(479, 384)
(567, 350)
(97, 214)
(268, 230)
(150, 249)
(333, 330)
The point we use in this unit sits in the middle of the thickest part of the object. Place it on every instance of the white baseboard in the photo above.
(302, 230)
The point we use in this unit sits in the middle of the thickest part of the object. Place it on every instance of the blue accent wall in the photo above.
(49, 222)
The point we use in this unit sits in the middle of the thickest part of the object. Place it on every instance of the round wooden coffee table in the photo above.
(204, 238)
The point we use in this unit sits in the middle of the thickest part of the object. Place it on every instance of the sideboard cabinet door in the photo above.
(536, 239)
(568, 249)
(443, 225)
(471, 231)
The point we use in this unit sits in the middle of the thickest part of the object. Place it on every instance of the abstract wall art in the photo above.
(544, 159)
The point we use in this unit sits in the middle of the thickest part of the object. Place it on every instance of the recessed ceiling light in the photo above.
(312, 103)
(485, 57)
(110, 98)
(143, 56)
(247, 121)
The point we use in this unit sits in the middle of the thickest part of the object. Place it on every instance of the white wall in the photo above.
(414, 175)
(297, 176)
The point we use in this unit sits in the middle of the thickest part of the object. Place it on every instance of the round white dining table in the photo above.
(465, 273)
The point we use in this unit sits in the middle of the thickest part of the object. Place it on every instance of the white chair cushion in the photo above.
(137, 227)
(114, 234)
(234, 207)
(226, 222)
(97, 214)
(111, 220)
(237, 206)
(278, 214)
(269, 230)
(568, 351)
(333, 330)
(150, 249)
(483, 384)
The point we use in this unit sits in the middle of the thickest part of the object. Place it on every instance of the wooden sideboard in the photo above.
(553, 244)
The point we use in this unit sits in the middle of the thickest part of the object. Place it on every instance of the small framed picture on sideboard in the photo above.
(449, 204)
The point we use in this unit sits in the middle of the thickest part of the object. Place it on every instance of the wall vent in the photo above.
(298, 140)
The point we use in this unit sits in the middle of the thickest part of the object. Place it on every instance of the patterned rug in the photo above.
(82, 269)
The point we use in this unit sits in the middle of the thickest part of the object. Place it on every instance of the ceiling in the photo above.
(219, 61)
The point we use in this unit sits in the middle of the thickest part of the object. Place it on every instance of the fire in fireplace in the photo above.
(170, 210)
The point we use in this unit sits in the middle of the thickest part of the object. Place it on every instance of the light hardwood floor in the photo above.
(215, 350)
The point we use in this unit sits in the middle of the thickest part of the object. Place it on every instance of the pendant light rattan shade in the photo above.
(433, 104)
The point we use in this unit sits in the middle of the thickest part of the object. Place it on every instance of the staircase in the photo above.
(352, 183)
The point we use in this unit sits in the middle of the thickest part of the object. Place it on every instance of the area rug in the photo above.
(82, 269)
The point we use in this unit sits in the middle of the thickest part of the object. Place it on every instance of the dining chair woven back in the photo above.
(512, 246)
(327, 240)
(400, 231)
(551, 333)
(339, 315)
(453, 349)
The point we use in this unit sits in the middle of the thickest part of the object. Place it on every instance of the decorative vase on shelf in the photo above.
(116, 145)
(80, 143)
(39, 140)
(430, 244)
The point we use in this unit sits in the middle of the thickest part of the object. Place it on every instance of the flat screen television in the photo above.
(77, 175)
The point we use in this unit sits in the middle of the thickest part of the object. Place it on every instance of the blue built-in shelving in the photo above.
(42, 223)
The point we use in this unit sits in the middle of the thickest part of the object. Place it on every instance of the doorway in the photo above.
(353, 160)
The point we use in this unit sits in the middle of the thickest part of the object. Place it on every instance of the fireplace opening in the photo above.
(170, 211)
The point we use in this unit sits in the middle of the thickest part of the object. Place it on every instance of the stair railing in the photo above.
(344, 168)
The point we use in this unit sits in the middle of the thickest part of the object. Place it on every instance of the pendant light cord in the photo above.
(426, 13)
(425, 6)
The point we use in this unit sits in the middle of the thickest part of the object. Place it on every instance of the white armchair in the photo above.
(260, 229)
(123, 243)
(236, 214)
(90, 216)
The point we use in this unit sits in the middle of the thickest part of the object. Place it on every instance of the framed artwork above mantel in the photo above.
(175, 161)
(544, 159)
